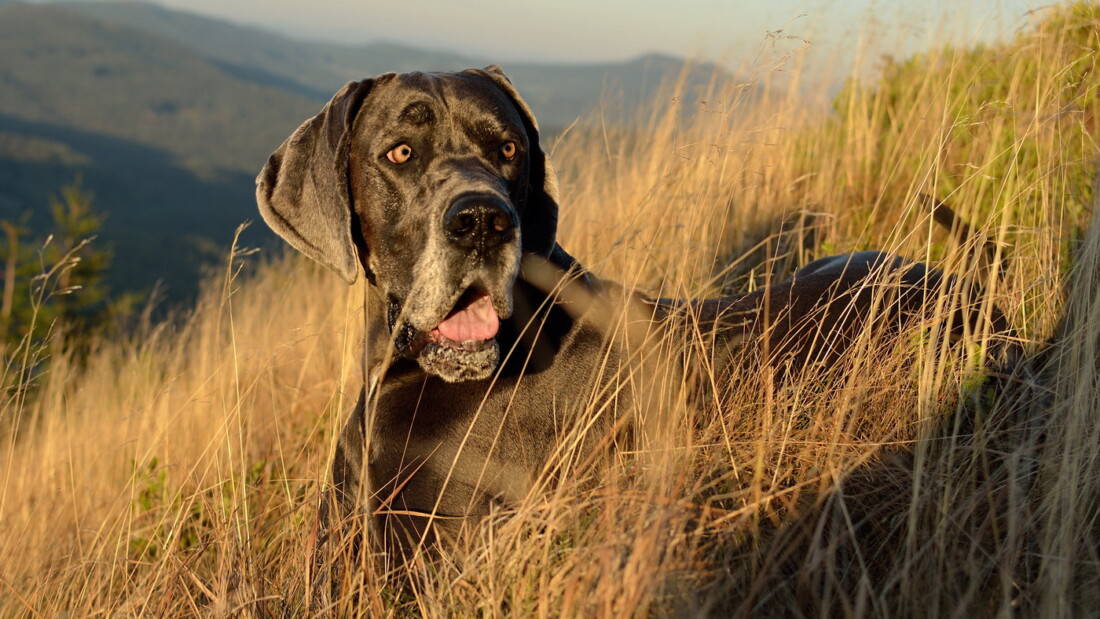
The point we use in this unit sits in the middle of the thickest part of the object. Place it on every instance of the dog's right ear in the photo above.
(302, 192)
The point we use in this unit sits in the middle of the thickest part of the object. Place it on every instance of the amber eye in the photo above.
(400, 154)
(508, 150)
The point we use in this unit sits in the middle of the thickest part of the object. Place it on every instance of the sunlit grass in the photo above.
(178, 472)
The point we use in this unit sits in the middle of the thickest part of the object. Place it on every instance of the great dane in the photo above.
(435, 186)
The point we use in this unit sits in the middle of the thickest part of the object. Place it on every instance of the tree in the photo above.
(57, 282)
(12, 234)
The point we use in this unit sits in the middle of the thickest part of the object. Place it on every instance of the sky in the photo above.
(596, 30)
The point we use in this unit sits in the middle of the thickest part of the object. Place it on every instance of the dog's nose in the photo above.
(479, 221)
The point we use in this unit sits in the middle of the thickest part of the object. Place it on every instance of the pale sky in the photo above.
(579, 30)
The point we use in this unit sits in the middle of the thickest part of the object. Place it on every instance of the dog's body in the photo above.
(436, 186)
(452, 452)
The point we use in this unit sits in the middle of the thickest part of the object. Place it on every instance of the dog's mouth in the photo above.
(463, 344)
(470, 325)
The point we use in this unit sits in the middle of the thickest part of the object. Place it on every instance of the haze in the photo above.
(583, 30)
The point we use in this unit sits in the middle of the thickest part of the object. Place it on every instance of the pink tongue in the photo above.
(476, 322)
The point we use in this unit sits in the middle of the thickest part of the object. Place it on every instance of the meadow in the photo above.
(177, 471)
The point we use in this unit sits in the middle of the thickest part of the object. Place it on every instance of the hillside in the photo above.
(64, 70)
(167, 141)
(558, 92)
(312, 68)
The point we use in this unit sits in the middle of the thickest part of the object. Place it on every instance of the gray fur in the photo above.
(868, 260)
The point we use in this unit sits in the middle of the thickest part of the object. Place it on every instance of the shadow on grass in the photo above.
(947, 524)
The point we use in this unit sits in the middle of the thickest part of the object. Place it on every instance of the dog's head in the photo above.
(434, 184)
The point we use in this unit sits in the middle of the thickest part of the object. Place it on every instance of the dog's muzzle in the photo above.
(451, 331)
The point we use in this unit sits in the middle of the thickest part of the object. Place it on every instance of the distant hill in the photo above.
(256, 54)
(167, 116)
(168, 141)
(558, 92)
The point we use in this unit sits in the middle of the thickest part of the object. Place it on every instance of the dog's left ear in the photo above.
(539, 220)
(302, 191)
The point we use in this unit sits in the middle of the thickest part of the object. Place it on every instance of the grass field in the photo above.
(177, 472)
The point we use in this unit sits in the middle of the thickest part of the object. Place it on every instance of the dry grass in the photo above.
(177, 473)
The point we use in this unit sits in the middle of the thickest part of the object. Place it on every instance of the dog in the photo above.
(436, 188)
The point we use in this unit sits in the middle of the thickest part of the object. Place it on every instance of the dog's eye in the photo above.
(400, 154)
(508, 150)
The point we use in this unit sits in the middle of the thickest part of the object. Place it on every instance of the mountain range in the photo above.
(166, 117)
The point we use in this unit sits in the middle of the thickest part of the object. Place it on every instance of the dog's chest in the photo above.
(462, 449)
(458, 450)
